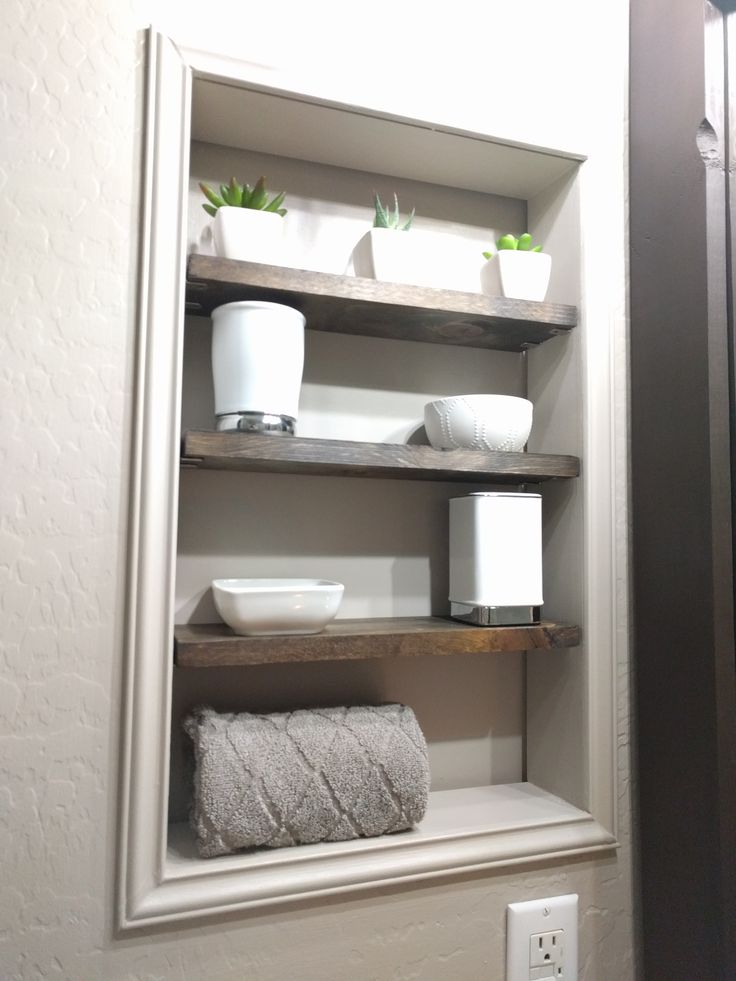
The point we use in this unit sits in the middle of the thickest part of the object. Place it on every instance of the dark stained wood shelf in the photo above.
(344, 458)
(215, 645)
(352, 305)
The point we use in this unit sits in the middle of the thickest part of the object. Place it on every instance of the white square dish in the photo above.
(260, 607)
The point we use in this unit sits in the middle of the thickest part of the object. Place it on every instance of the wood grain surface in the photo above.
(290, 454)
(215, 644)
(352, 305)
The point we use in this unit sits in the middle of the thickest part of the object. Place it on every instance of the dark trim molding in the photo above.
(685, 682)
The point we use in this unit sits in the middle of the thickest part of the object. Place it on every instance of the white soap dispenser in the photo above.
(496, 558)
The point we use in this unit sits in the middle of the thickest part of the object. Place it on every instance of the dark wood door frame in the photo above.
(681, 491)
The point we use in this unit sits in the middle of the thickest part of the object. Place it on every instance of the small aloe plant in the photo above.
(522, 244)
(387, 219)
(237, 195)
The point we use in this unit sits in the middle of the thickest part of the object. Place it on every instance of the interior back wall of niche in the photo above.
(329, 208)
(386, 540)
(470, 709)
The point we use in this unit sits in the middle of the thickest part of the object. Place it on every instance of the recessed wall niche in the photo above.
(520, 765)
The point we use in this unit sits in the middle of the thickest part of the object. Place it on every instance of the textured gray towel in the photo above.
(323, 774)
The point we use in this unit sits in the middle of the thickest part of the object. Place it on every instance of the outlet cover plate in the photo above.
(541, 916)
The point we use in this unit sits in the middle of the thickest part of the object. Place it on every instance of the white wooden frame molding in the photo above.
(156, 886)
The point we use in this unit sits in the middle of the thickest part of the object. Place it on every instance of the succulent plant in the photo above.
(387, 219)
(522, 244)
(237, 195)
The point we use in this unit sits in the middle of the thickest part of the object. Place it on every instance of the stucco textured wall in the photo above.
(70, 104)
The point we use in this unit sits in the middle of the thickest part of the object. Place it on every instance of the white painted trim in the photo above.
(234, 109)
(600, 595)
(155, 475)
(218, 67)
(605, 393)
(153, 889)
(193, 887)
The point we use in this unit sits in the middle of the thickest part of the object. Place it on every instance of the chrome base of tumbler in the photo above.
(256, 422)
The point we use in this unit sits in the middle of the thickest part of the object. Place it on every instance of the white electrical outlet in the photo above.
(547, 955)
(542, 940)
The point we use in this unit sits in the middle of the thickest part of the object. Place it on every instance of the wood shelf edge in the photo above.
(215, 645)
(368, 307)
(204, 270)
(251, 451)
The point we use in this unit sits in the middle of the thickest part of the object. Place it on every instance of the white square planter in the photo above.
(396, 256)
(520, 275)
(249, 235)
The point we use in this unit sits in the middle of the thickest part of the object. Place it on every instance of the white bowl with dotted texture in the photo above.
(479, 422)
(262, 607)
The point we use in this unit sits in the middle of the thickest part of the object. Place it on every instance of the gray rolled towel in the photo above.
(322, 774)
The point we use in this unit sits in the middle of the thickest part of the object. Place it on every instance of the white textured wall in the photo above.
(71, 88)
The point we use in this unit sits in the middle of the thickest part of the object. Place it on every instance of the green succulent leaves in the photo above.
(387, 219)
(237, 195)
(525, 244)
(507, 242)
(521, 244)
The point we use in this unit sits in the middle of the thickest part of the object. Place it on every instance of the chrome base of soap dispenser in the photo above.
(495, 616)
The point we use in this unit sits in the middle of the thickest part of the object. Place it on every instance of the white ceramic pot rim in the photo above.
(258, 305)
(479, 397)
(526, 252)
(251, 211)
(275, 585)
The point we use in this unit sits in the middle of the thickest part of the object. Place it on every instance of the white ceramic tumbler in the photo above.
(257, 365)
